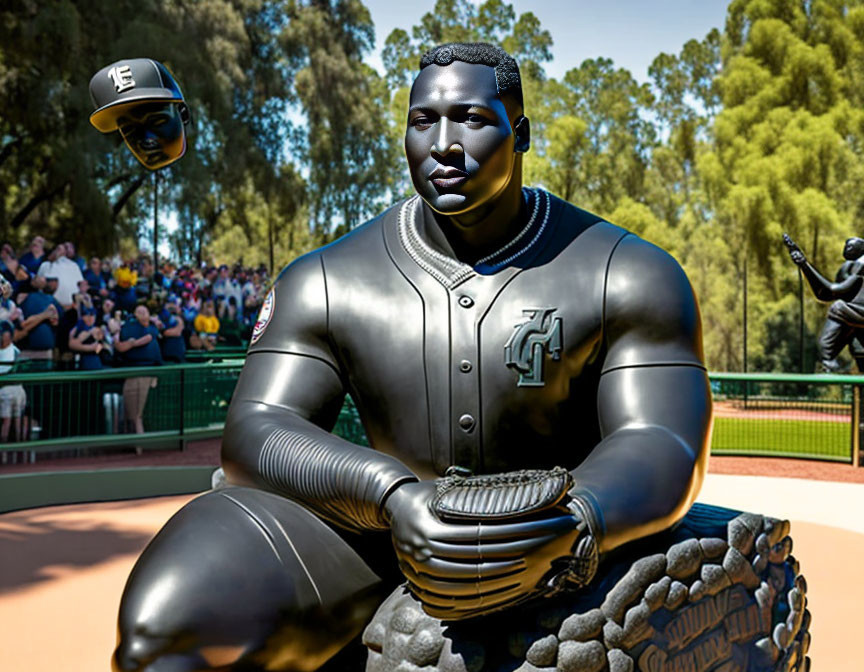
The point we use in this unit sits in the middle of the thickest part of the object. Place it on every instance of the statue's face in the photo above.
(459, 140)
(154, 133)
(853, 249)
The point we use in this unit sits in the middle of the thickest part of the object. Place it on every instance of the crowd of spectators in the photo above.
(61, 311)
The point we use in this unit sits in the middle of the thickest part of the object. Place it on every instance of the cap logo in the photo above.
(122, 78)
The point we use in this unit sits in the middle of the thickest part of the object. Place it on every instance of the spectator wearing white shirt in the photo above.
(12, 397)
(67, 273)
(69, 246)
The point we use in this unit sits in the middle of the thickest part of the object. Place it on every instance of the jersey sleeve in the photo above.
(650, 314)
(653, 400)
(293, 318)
(278, 430)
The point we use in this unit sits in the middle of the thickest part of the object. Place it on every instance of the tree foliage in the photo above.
(247, 68)
(57, 173)
(754, 129)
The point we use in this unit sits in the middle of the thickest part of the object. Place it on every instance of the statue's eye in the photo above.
(420, 122)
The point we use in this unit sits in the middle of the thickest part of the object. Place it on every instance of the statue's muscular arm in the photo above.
(277, 434)
(654, 400)
(846, 285)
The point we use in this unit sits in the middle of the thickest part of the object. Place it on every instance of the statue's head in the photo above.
(141, 99)
(466, 130)
(853, 249)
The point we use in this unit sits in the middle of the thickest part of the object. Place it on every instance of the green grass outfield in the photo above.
(782, 438)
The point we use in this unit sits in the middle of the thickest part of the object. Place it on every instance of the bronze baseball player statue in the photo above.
(546, 363)
(844, 323)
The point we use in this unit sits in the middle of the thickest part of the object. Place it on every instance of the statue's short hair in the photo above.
(507, 76)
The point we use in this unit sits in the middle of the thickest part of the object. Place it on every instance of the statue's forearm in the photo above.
(278, 450)
(826, 291)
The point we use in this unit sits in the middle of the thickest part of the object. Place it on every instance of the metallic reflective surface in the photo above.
(154, 133)
(140, 98)
(422, 321)
(844, 325)
(459, 141)
(626, 406)
(232, 578)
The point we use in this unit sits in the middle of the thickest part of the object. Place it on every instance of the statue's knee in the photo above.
(225, 582)
(139, 652)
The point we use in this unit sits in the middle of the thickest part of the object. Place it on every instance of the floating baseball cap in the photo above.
(130, 81)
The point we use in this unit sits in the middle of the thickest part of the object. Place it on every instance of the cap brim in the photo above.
(105, 118)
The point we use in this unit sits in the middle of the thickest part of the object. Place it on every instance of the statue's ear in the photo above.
(522, 131)
(185, 114)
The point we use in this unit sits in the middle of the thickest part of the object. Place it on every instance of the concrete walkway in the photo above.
(821, 502)
(62, 569)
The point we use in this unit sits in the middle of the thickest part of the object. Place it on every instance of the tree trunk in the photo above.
(270, 238)
(45, 195)
(6, 150)
(125, 196)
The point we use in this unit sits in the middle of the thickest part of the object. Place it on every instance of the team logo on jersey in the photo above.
(524, 350)
(122, 78)
(264, 316)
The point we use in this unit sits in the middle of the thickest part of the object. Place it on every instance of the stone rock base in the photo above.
(719, 593)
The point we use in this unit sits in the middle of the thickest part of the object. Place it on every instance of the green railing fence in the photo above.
(76, 409)
(815, 416)
(809, 416)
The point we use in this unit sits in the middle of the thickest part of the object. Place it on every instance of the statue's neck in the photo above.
(481, 232)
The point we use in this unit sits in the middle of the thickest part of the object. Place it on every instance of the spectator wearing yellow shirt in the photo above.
(206, 328)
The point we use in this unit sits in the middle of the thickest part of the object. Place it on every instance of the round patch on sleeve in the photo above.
(264, 316)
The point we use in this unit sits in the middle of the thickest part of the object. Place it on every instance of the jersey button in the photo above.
(466, 422)
(465, 366)
(466, 301)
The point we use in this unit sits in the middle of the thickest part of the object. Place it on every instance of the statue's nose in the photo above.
(148, 142)
(446, 141)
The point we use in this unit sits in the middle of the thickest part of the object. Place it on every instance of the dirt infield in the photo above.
(735, 409)
(64, 569)
(813, 470)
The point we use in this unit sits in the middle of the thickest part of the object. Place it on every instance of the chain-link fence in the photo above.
(63, 412)
(786, 415)
(89, 413)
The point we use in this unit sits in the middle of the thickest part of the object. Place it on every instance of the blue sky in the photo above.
(630, 32)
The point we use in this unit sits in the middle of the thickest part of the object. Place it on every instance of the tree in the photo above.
(59, 176)
(785, 151)
(346, 146)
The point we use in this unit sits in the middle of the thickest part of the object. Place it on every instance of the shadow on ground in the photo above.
(52, 544)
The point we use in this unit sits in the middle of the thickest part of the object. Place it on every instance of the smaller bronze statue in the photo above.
(844, 325)
(140, 98)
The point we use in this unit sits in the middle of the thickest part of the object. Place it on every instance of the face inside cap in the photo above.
(141, 99)
(154, 132)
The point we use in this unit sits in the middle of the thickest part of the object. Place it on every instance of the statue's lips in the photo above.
(447, 178)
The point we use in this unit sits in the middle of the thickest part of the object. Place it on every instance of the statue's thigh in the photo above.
(241, 576)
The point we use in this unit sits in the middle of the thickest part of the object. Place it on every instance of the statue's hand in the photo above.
(794, 251)
(461, 570)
